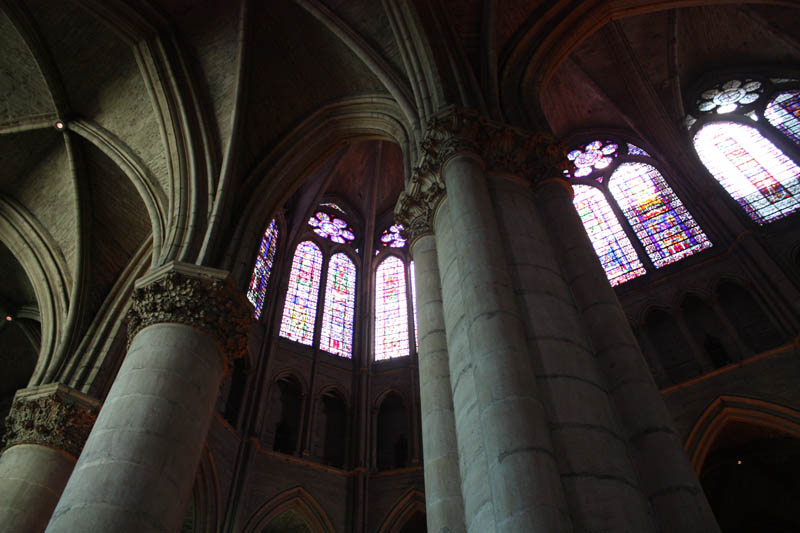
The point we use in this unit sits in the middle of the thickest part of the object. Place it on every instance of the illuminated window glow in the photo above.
(663, 225)
(635, 150)
(334, 229)
(391, 311)
(783, 112)
(755, 172)
(595, 155)
(391, 237)
(414, 302)
(727, 97)
(340, 303)
(612, 246)
(300, 308)
(266, 257)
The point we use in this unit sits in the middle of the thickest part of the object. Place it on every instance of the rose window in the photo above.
(334, 229)
(596, 155)
(391, 237)
(727, 97)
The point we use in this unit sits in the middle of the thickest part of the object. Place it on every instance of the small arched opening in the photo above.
(392, 438)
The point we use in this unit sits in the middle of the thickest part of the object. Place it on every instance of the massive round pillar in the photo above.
(46, 430)
(523, 475)
(666, 477)
(138, 465)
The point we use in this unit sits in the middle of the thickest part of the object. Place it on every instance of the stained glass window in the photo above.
(783, 112)
(729, 96)
(635, 150)
(391, 236)
(414, 302)
(266, 256)
(391, 311)
(612, 246)
(595, 155)
(340, 303)
(331, 228)
(300, 308)
(663, 225)
(755, 172)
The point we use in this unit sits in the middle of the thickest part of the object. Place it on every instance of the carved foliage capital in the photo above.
(208, 303)
(53, 416)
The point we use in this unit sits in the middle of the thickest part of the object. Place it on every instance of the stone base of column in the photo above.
(46, 430)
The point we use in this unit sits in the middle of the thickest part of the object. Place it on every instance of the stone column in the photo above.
(45, 432)
(138, 466)
(664, 471)
(444, 507)
(526, 488)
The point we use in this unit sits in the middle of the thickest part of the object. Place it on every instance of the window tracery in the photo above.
(605, 177)
(333, 228)
(742, 152)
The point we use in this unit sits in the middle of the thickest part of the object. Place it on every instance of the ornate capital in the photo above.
(200, 297)
(51, 415)
(502, 148)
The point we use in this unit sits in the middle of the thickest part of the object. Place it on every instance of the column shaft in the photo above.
(526, 489)
(664, 471)
(472, 461)
(47, 428)
(444, 507)
(137, 468)
(573, 389)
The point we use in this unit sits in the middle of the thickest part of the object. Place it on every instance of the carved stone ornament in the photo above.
(200, 297)
(52, 415)
(502, 148)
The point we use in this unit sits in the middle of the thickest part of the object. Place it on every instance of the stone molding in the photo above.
(501, 148)
(200, 297)
(52, 415)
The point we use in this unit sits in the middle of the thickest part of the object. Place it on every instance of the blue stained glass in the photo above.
(331, 228)
(340, 303)
(663, 225)
(300, 308)
(391, 310)
(391, 236)
(266, 257)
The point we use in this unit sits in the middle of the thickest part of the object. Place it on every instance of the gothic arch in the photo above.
(203, 506)
(296, 499)
(38, 254)
(411, 503)
(292, 160)
(546, 40)
(726, 409)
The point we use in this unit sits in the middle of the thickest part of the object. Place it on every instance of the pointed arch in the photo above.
(297, 500)
(300, 307)
(411, 503)
(391, 309)
(726, 409)
(755, 172)
(612, 246)
(663, 225)
(340, 303)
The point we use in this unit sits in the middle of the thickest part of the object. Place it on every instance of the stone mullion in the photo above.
(137, 468)
(665, 475)
(46, 430)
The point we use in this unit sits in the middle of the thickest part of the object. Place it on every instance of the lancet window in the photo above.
(612, 178)
(395, 298)
(746, 131)
(257, 291)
